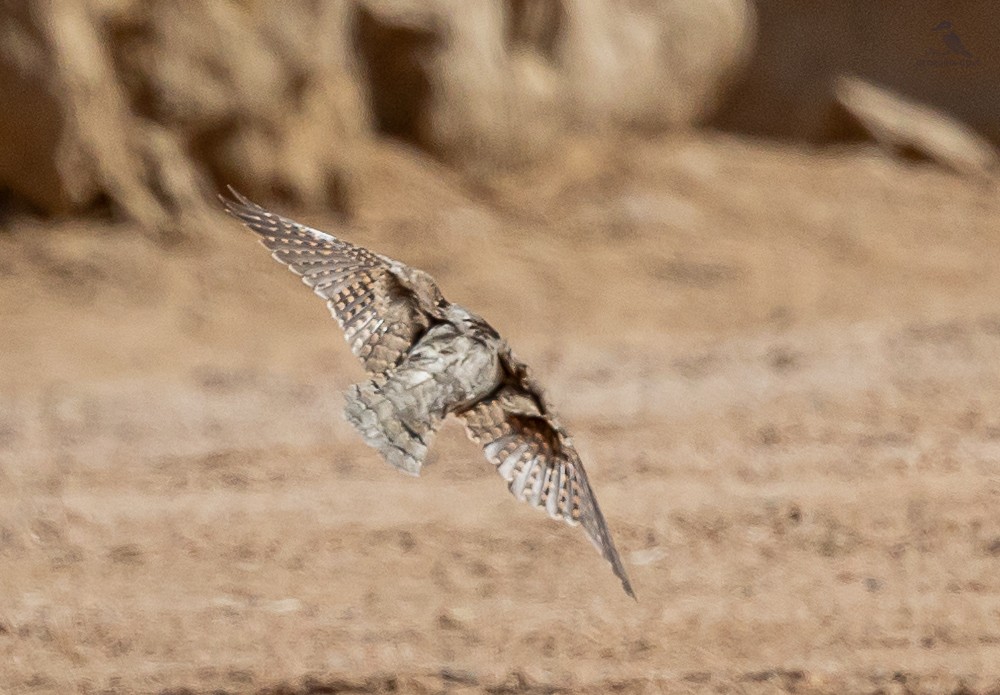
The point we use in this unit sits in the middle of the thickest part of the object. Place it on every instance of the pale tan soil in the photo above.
(782, 368)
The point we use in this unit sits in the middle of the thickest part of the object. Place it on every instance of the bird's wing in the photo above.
(532, 452)
(380, 317)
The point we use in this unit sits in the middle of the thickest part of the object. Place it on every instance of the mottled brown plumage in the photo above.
(429, 358)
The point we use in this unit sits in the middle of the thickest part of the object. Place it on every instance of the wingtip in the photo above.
(628, 590)
(238, 204)
(619, 571)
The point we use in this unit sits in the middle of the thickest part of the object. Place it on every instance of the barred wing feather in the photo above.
(520, 436)
(379, 317)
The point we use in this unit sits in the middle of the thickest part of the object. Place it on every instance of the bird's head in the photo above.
(423, 286)
(468, 321)
(943, 26)
(458, 315)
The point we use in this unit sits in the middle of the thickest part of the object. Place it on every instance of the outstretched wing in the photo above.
(520, 436)
(380, 317)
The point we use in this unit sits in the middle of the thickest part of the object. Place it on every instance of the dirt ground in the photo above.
(782, 368)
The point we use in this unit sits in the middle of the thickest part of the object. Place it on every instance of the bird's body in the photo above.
(428, 358)
(952, 41)
(448, 369)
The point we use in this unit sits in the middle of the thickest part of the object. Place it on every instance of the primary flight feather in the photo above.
(429, 358)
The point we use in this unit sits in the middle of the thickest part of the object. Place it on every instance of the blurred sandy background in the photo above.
(751, 249)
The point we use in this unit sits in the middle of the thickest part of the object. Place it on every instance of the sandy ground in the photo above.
(781, 367)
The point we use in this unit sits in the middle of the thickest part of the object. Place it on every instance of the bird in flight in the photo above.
(428, 358)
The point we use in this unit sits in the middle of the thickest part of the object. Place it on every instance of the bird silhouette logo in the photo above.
(947, 49)
(951, 40)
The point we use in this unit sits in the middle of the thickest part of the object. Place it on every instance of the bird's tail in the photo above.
(400, 437)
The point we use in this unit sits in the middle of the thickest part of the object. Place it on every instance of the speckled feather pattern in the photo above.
(428, 358)
(379, 323)
(521, 435)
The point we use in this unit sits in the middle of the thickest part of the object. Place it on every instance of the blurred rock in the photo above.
(147, 106)
(900, 125)
(262, 94)
(150, 105)
(68, 140)
(495, 85)
(944, 55)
